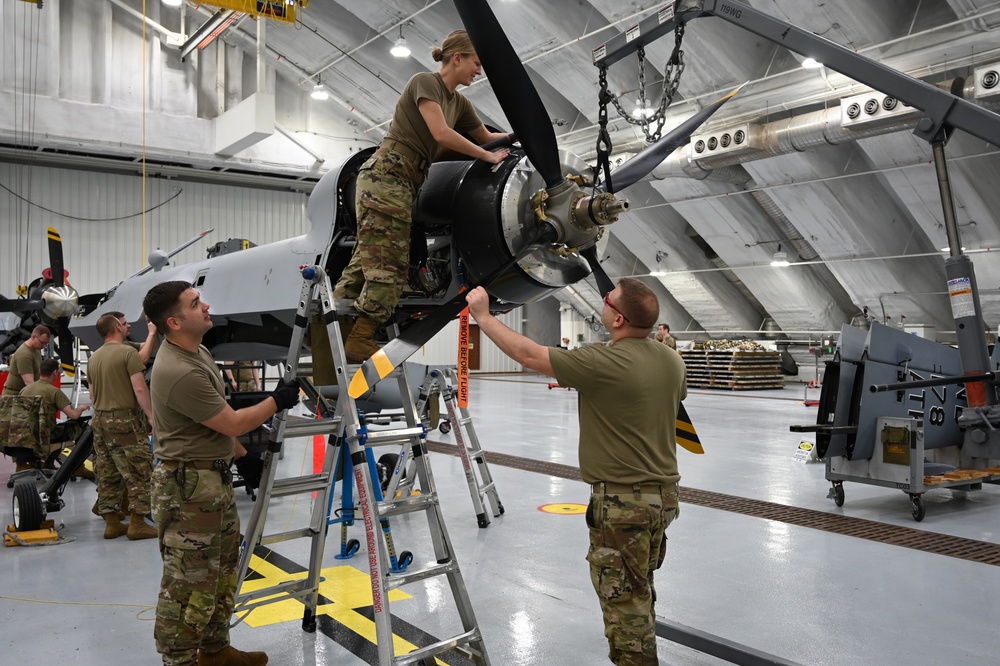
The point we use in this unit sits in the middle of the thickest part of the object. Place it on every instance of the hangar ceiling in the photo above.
(858, 211)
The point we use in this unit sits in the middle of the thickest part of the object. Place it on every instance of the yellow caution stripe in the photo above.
(371, 372)
(687, 436)
(54, 235)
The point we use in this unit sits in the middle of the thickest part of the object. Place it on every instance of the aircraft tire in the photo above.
(27, 507)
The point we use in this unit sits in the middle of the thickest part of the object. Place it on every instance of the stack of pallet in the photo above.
(735, 366)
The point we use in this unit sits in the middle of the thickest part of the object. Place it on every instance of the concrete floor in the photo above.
(800, 594)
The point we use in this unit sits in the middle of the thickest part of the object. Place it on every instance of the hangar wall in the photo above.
(99, 217)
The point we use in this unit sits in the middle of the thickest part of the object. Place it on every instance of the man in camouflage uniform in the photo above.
(122, 418)
(629, 393)
(243, 376)
(53, 401)
(426, 117)
(194, 508)
(25, 363)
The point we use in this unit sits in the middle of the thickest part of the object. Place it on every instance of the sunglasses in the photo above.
(607, 301)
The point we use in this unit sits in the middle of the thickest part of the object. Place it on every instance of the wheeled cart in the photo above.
(898, 461)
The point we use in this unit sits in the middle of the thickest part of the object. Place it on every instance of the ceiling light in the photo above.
(948, 249)
(641, 111)
(809, 63)
(400, 49)
(780, 258)
(319, 92)
(172, 3)
(658, 273)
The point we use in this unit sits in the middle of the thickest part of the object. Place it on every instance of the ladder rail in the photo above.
(351, 441)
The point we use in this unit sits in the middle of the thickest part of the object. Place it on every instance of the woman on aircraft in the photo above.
(429, 116)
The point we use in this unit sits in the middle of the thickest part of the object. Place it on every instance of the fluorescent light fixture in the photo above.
(658, 273)
(948, 249)
(319, 92)
(172, 3)
(809, 63)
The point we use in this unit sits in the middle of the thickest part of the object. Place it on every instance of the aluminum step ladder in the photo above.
(481, 485)
(345, 427)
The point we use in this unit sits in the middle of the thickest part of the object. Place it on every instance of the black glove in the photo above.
(286, 395)
(250, 468)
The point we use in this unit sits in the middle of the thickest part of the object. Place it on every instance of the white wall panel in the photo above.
(442, 349)
(112, 240)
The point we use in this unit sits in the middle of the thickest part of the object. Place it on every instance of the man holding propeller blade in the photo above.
(628, 452)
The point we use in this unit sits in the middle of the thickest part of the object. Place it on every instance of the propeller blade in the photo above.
(66, 348)
(56, 257)
(687, 437)
(646, 160)
(514, 90)
(20, 305)
(604, 283)
(393, 354)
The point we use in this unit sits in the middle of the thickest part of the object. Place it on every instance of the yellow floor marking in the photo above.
(564, 509)
(347, 588)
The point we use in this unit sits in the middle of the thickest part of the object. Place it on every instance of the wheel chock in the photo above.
(46, 532)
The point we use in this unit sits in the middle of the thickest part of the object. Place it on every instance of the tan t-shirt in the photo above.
(109, 372)
(22, 361)
(408, 126)
(48, 393)
(186, 391)
(628, 396)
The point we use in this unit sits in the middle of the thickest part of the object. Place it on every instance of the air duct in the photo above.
(800, 133)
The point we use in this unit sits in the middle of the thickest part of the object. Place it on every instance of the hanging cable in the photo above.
(30, 203)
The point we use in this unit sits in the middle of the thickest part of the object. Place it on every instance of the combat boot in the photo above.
(346, 323)
(360, 344)
(113, 527)
(139, 529)
(230, 656)
(24, 466)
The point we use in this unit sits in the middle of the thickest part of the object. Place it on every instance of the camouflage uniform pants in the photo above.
(123, 462)
(627, 544)
(377, 272)
(199, 532)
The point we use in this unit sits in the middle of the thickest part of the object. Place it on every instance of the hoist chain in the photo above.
(671, 80)
(603, 138)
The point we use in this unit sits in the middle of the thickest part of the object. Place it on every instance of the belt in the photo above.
(197, 464)
(608, 488)
(122, 413)
(419, 160)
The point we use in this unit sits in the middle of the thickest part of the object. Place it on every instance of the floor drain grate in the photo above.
(896, 535)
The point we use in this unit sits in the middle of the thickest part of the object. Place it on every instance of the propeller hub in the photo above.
(600, 209)
(60, 301)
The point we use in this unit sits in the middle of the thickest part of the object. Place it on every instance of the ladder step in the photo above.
(414, 657)
(306, 427)
(297, 485)
(294, 588)
(287, 536)
(393, 581)
(380, 437)
(406, 504)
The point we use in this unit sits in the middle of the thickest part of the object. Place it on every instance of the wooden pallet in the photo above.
(733, 369)
(961, 475)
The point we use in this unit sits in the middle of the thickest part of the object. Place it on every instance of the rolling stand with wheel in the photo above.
(31, 504)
